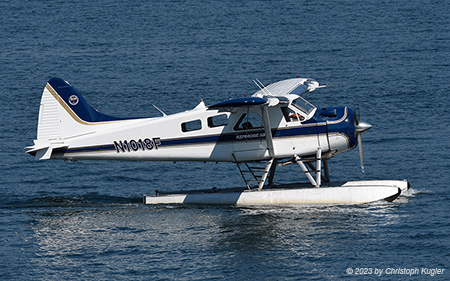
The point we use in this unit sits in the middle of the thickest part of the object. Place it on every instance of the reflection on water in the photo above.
(136, 239)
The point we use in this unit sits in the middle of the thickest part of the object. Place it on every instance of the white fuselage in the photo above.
(167, 138)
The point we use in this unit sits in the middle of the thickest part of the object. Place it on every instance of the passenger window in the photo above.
(249, 121)
(191, 126)
(217, 121)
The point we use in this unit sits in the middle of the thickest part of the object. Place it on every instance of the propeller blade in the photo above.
(361, 152)
(360, 127)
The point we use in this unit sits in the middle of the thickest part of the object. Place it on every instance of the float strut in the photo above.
(272, 172)
(318, 166)
(306, 171)
(266, 172)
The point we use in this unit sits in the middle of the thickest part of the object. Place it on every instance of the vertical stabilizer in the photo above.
(49, 120)
(64, 114)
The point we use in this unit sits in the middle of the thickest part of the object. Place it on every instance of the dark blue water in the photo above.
(85, 220)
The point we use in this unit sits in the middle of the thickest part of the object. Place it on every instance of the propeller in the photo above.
(361, 127)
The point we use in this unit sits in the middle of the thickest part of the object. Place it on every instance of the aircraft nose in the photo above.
(361, 127)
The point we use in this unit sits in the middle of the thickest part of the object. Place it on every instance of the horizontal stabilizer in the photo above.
(44, 152)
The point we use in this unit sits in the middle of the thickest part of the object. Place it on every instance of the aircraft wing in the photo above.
(273, 94)
(296, 86)
(231, 104)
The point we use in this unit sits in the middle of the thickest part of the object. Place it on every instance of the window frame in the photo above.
(241, 119)
(210, 121)
(186, 129)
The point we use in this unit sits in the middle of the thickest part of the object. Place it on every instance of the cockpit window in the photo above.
(304, 105)
(249, 121)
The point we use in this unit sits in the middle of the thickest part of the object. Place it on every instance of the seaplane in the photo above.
(274, 127)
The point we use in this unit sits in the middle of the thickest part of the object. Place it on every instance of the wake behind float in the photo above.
(273, 127)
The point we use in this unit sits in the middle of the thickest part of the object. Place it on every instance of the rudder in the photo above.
(63, 114)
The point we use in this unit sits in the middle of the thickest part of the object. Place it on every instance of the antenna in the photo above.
(159, 110)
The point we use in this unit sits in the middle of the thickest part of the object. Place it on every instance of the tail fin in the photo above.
(63, 114)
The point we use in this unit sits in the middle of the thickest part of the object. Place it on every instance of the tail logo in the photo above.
(73, 100)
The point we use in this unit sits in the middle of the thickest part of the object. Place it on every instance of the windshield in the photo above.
(303, 105)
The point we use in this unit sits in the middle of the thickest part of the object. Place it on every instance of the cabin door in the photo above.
(250, 139)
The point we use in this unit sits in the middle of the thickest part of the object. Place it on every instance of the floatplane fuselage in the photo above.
(276, 125)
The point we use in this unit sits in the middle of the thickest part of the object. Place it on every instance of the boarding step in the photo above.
(255, 174)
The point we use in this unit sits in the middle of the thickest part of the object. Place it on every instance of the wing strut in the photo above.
(260, 174)
(268, 131)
